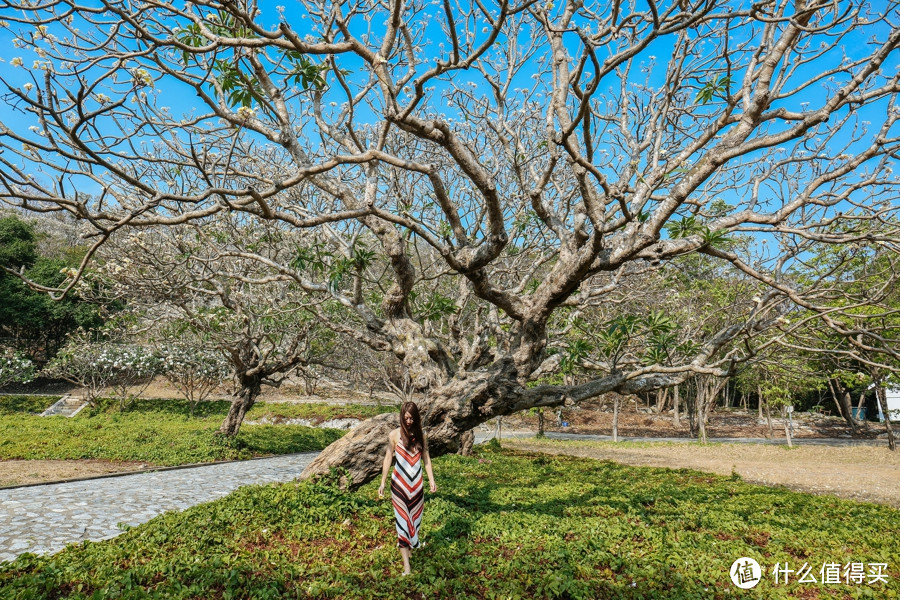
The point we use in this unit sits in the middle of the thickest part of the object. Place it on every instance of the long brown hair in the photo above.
(412, 436)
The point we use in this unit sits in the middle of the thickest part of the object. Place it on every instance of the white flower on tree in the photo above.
(14, 367)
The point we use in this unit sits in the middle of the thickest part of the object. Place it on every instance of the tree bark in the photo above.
(675, 401)
(241, 403)
(540, 432)
(882, 400)
(844, 405)
(760, 403)
(785, 417)
(707, 391)
(451, 410)
(692, 416)
(701, 410)
(358, 451)
(466, 442)
(662, 399)
(834, 395)
(615, 427)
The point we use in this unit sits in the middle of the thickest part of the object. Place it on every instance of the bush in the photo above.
(194, 371)
(14, 367)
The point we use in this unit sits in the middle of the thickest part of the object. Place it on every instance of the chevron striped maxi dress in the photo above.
(407, 495)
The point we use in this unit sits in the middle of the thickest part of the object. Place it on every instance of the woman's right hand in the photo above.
(381, 491)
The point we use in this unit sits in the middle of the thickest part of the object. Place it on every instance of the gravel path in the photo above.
(44, 519)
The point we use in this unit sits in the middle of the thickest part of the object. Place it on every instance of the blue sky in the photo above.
(652, 60)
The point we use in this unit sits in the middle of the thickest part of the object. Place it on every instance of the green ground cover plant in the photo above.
(25, 405)
(503, 524)
(160, 432)
(317, 412)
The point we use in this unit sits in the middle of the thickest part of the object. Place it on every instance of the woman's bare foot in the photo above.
(404, 552)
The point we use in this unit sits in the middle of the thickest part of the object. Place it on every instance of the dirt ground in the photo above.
(22, 472)
(290, 391)
(866, 473)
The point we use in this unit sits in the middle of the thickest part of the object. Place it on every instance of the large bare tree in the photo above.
(532, 156)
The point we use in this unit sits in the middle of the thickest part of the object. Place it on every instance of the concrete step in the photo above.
(67, 406)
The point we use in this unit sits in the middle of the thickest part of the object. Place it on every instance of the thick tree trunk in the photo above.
(358, 452)
(451, 410)
(882, 400)
(241, 403)
(467, 400)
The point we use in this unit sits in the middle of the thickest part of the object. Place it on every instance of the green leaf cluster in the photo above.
(691, 225)
(717, 86)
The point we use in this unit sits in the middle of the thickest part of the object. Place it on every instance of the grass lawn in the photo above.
(503, 524)
(160, 432)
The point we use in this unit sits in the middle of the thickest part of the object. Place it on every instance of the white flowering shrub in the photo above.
(194, 371)
(82, 363)
(95, 366)
(14, 367)
(134, 368)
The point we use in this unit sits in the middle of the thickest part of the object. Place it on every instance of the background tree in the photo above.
(30, 320)
(195, 370)
(87, 361)
(856, 331)
(205, 282)
(533, 156)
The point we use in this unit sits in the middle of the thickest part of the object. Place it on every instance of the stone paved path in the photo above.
(44, 519)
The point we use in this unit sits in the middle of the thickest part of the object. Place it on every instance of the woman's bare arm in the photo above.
(386, 465)
(427, 459)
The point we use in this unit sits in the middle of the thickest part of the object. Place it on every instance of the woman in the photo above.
(407, 494)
